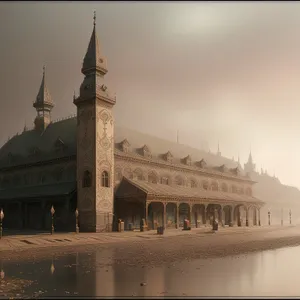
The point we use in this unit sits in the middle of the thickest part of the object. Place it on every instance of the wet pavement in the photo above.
(100, 272)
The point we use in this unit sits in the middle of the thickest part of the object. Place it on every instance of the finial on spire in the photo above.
(94, 18)
(74, 96)
(44, 69)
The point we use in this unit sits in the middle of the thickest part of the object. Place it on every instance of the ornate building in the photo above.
(109, 173)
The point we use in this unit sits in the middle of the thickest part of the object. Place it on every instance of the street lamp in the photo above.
(52, 214)
(2, 274)
(52, 268)
(1, 219)
(76, 215)
(290, 217)
(269, 217)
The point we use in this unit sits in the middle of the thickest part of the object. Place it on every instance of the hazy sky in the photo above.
(226, 71)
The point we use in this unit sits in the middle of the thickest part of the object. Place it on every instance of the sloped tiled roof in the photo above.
(162, 190)
(20, 146)
(57, 189)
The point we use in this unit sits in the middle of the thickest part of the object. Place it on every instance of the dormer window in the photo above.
(235, 171)
(165, 180)
(59, 145)
(169, 157)
(202, 164)
(187, 160)
(145, 151)
(124, 145)
(223, 168)
(35, 151)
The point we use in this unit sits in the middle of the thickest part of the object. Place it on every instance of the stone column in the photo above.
(191, 210)
(231, 223)
(223, 216)
(247, 216)
(259, 217)
(165, 214)
(146, 212)
(177, 215)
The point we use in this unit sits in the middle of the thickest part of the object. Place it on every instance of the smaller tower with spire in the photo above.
(43, 105)
(249, 167)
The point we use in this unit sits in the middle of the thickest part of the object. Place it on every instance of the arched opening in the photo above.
(179, 180)
(214, 186)
(193, 183)
(224, 187)
(213, 211)
(184, 213)
(105, 179)
(152, 178)
(198, 215)
(171, 211)
(138, 174)
(87, 179)
(249, 192)
(240, 215)
(233, 189)
(252, 216)
(155, 215)
(227, 215)
(205, 185)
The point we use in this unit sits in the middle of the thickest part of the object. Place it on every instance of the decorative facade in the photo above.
(113, 173)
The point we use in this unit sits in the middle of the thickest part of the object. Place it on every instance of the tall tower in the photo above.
(249, 167)
(95, 145)
(43, 105)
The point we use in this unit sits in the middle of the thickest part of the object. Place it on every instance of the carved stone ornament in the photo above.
(104, 116)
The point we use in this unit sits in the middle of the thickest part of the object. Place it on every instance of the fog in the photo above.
(226, 72)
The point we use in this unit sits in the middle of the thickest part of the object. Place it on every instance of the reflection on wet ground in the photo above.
(99, 273)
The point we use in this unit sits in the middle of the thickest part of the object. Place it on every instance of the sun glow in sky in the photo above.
(215, 71)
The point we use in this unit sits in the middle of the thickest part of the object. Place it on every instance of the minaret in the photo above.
(249, 166)
(43, 105)
(95, 146)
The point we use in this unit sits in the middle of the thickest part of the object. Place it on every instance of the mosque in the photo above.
(109, 173)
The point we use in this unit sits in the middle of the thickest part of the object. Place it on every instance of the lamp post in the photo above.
(52, 210)
(1, 219)
(76, 215)
(290, 217)
(269, 217)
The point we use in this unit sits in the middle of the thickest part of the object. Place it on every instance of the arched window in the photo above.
(105, 179)
(152, 178)
(205, 185)
(224, 187)
(87, 179)
(193, 183)
(234, 189)
(214, 186)
(165, 180)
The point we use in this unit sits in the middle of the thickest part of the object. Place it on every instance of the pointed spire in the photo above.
(177, 137)
(25, 127)
(43, 97)
(219, 153)
(43, 105)
(93, 59)
(239, 160)
(94, 68)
